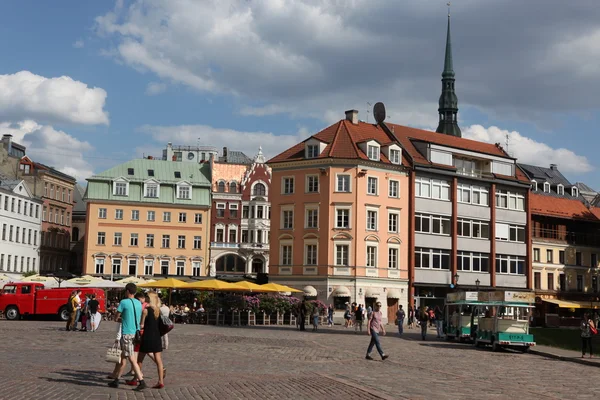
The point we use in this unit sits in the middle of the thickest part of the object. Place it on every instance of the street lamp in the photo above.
(477, 282)
(456, 276)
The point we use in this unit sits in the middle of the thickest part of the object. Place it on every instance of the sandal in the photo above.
(133, 382)
(158, 386)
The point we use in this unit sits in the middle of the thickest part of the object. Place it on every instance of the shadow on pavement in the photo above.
(81, 378)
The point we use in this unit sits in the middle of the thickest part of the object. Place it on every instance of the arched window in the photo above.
(221, 187)
(259, 190)
(233, 187)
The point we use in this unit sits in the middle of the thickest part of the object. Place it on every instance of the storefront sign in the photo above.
(520, 297)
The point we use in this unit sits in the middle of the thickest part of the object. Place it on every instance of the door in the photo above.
(25, 299)
(392, 307)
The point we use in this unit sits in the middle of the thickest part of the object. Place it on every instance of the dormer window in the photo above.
(373, 152)
(395, 156)
(178, 174)
(534, 186)
(121, 187)
(184, 191)
(151, 189)
(546, 187)
(560, 189)
(312, 151)
(574, 191)
(150, 172)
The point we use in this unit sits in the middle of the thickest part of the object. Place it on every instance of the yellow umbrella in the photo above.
(280, 288)
(169, 283)
(211, 284)
(252, 287)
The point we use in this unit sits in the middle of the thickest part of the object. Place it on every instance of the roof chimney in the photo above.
(352, 116)
(7, 142)
(553, 167)
(224, 154)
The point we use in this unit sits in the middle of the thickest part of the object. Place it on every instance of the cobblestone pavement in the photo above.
(39, 360)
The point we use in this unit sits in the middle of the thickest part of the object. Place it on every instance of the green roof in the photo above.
(162, 171)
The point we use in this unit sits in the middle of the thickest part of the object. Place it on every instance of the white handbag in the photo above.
(113, 355)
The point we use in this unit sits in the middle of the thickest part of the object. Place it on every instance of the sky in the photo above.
(86, 84)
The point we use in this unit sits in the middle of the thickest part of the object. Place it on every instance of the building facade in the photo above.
(148, 218)
(21, 224)
(340, 210)
(78, 222)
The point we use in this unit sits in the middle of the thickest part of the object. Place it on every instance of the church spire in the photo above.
(448, 103)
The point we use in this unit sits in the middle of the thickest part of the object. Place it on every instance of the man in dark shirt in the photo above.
(358, 317)
(93, 306)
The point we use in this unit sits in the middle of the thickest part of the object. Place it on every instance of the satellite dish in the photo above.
(379, 112)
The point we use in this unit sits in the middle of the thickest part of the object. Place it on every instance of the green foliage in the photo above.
(30, 273)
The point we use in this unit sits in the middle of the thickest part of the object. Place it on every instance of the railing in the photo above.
(477, 173)
(574, 238)
(225, 245)
(264, 246)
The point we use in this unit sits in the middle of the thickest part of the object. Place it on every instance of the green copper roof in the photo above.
(448, 102)
(162, 171)
(448, 67)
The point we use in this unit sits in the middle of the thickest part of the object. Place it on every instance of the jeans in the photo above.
(77, 317)
(423, 329)
(401, 326)
(439, 326)
(358, 324)
(375, 342)
(586, 342)
(330, 319)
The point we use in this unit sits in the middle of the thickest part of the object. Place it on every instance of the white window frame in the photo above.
(337, 261)
(134, 240)
(197, 268)
(464, 190)
(150, 240)
(471, 256)
(182, 217)
(197, 242)
(149, 266)
(99, 264)
(288, 185)
(372, 222)
(431, 218)
(198, 218)
(179, 267)
(430, 253)
(182, 187)
(232, 228)
(349, 210)
(391, 184)
(442, 185)
(395, 156)
(181, 239)
(118, 183)
(116, 264)
(560, 189)
(285, 257)
(119, 214)
(546, 187)
(314, 259)
(118, 242)
(163, 263)
(372, 190)
(397, 216)
(534, 185)
(472, 223)
(509, 196)
(287, 218)
(371, 260)
(393, 256)
(312, 150)
(135, 215)
(100, 235)
(151, 215)
(346, 179)
(511, 263)
(373, 152)
(151, 185)
(311, 181)
(314, 210)
(574, 191)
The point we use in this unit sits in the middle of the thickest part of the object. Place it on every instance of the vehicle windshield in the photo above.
(9, 289)
(517, 313)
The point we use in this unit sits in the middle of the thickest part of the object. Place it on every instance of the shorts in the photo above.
(127, 346)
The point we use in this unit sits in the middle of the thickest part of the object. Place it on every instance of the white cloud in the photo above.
(25, 95)
(52, 147)
(78, 44)
(247, 142)
(155, 88)
(529, 151)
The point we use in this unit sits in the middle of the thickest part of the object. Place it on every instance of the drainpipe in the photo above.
(355, 240)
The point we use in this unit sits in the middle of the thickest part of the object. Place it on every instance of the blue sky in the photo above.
(244, 74)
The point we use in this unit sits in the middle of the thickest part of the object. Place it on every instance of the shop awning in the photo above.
(564, 303)
(393, 294)
(587, 304)
(309, 291)
(341, 291)
(372, 293)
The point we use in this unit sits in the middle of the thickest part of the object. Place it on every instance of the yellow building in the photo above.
(148, 218)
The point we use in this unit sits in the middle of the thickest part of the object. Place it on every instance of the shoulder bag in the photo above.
(138, 335)
(165, 325)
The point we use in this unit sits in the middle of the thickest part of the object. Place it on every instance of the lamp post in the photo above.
(477, 282)
(456, 276)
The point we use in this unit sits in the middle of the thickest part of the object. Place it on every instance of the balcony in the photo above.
(223, 245)
(563, 236)
(262, 246)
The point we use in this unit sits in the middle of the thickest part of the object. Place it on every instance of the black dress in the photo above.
(151, 341)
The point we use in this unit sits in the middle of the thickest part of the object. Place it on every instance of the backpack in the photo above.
(70, 304)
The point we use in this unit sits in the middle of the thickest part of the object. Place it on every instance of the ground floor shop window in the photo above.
(339, 303)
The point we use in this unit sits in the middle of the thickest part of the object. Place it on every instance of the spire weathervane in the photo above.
(448, 4)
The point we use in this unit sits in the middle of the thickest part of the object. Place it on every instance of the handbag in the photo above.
(113, 355)
(593, 329)
(165, 325)
(137, 339)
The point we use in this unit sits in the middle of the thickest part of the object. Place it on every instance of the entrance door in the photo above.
(392, 307)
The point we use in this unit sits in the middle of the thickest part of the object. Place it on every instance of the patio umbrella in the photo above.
(136, 280)
(281, 288)
(83, 280)
(92, 283)
(169, 283)
(6, 278)
(211, 284)
(252, 287)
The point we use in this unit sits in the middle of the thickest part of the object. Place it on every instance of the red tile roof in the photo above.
(562, 208)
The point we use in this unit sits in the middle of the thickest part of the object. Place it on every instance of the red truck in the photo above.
(28, 298)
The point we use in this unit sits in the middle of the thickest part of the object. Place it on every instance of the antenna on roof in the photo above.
(368, 111)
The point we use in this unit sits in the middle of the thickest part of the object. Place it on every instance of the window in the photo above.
(166, 241)
(510, 200)
(151, 215)
(574, 192)
(167, 216)
(150, 172)
(560, 189)
(245, 211)
(436, 224)
(150, 240)
(342, 220)
(177, 174)
(233, 210)
(151, 190)
(10, 233)
(118, 239)
(120, 189)
(393, 258)
(468, 194)
(580, 283)
(310, 254)
(220, 235)
(395, 156)
(69, 196)
(45, 189)
(473, 262)
(537, 280)
(37, 214)
(343, 183)
(232, 234)
(133, 266)
(17, 235)
(550, 281)
(181, 242)
(101, 213)
(259, 190)
(118, 213)
(288, 185)
(312, 218)
(373, 152)
(182, 217)
(393, 222)
(164, 267)
(68, 219)
(196, 268)
(394, 189)
(432, 188)
(148, 267)
(259, 212)
(342, 254)
(511, 265)
(534, 186)
(473, 228)
(197, 242)
(536, 255)
(51, 191)
(371, 220)
(286, 254)
(578, 258)
(372, 256)
(561, 256)
(135, 215)
(197, 218)
(180, 267)
(133, 240)
(116, 266)
(221, 210)
(312, 151)
(466, 167)
(99, 265)
(221, 187)
(372, 185)
(19, 207)
(64, 194)
(183, 192)
(549, 256)
(232, 187)
(546, 187)
(312, 184)
(44, 212)
(510, 233)
(432, 258)
(12, 205)
(288, 219)
(101, 240)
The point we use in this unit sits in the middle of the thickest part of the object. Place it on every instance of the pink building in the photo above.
(340, 203)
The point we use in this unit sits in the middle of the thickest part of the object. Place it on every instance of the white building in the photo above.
(20, 224)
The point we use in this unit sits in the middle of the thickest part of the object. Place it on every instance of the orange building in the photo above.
(339, 227)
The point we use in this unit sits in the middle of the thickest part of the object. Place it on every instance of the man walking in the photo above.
(374, 327)
(130, 311)
(302, 315)
(400, 315)
(358, 318)
(93, 306)
(439, 322)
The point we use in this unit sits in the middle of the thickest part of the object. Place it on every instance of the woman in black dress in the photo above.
(151, 341)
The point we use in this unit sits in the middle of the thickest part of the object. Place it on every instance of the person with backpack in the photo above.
(400, 315)
(587, 329)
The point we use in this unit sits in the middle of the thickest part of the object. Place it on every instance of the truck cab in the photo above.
(19, 299)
